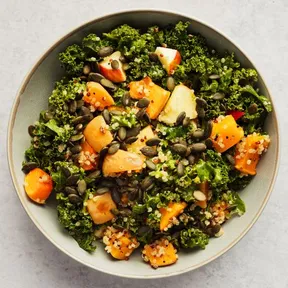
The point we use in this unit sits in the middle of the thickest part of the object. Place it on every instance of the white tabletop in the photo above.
(28, 28)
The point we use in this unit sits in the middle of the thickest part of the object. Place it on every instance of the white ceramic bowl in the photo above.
(32, 98)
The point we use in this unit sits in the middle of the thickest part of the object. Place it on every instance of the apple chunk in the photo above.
(169, 58)
(115, 75)
(182, 99)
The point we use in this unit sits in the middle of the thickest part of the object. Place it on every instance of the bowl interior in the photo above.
(32, 99)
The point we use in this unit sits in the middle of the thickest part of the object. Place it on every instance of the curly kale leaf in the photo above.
(238, 181)
(126, 119)
(92, 44)
(193, 238)
(236, 204)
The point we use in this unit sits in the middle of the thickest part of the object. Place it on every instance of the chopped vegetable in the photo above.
(88, 157)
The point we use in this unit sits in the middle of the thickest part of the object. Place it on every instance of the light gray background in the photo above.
(28, 28)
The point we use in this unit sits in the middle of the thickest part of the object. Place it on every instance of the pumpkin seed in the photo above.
(79, 103)
(198, 134)
(185, 162)
(143, 103)
(180, 118)
(125, 212)
(116, 112)
(179, 149)
(123, 146)
(81, 187)
(126, 100)
(84, 110)
(115, 211)
(170, 83)
(214, 76)
(153, 56)
(147, 182)
(143, 230)
(209, 143)
(77, 137)
(95, 174)
(216, 229)
(201, 113)
(153, 142)
(121, 182)
(140, 195)
(28, 166)
(108, 84)
(73, 179)
(102, 155)
(199, 196)
(66, 171)
(75, 199)
(105, 51)
(180, 169)
(122, 59)
(131, 140)
(106, 116)
(208, 128)
(146, 117)
(140, 114)
(95, 77)
(133, 183)
(31, 130)
(70, 190)
(218, 96)
(122, 133)
(154, 122)
(186, 122)
(79, 127)
(86, 69)
(115, 64)
(201, 102)
(150, 165)
(76, 149)
(115, 195)
(133, 131)
(198, 147)
(191, 159)
(107, 183)
(149, 151)
(113, 148)
(102, 190)
(252, 109)
(230, 159)
(133, 195)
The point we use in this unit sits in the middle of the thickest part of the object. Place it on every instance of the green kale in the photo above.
(126, 119)
(172, 133)
(236, 204)
(63, 133)
(238, 181)
(92, 44)
(193, 238)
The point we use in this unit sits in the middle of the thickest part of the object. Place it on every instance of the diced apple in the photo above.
(182, 99)
(115, 75)
(169, 58)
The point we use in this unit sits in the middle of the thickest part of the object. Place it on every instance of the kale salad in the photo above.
(147, 141)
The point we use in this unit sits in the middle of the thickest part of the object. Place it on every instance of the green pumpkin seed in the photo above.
(81, 119)
(122, 133)
(95, 77)
(201, 102)
(73, 179)
(70, 190)
(180, 118)
(201, 113)
(66, 171)
(180, 169)
(216, 229)
(154, 122)
(147, 182)
(84, 110)
(116, 112)
(115, 195)
(140, 114)
(77, 137)
(76, 149)
(188, 152)
(199, 196)
(86, 69)
(179, 149)
(133, 195)
(95, 174)
(150, 165)
(122, 59)
(108, 84)
(131, 140)
(230, 159)
(153, 56)
(81, 186)
(121, 182)
(208, 128)
(143, 103)
(198, 134)
(105, 51)
(186, 122)
(191, 159)
(214, 76)
(149, 151)
(133, 131)
(144, 230)
(123, 146)
(198, 147)
(115, 211)
(126, 100)
(125, 212)
(185, 162)
(209, 143)
(102, 190)
(146, 118)
(79, 103)
(153, 142)
(106, 116)
(113, 148)
(29, 166)
(170, 83)
(115, 64)
(253, 108)
(75, 199)
(79, 127)
(218, 96)
(31, 130)
(140, 196)
(102, 155)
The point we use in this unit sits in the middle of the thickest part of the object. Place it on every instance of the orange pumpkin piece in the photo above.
(121, 161)
(97, 96)
(120, 244)
(99, 208)
(248, 152)
(203, 187)
(160, 253)
(38, 185)
(88, 157)
(146, 88)
(97, 133)
(167, 214)
(226, 133)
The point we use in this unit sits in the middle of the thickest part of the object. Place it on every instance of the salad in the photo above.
(147, 141)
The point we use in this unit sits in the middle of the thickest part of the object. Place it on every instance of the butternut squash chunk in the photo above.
(97, 134)
(248, 152)
(226, 133)
(160, 253)
(167, 214)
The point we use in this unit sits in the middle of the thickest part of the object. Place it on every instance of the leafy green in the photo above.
(193, 238)
(236, 204)
(126, 119)
(64, 133)
(92, 43)
(172, 133)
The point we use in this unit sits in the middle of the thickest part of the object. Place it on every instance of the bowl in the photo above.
(32, 98)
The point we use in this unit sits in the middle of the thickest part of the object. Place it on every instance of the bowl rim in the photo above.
(12, 121)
